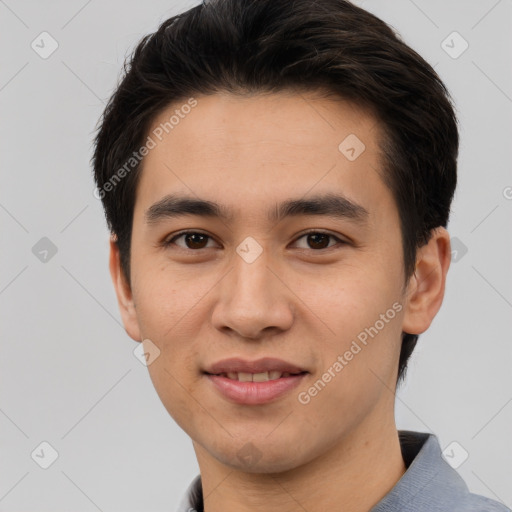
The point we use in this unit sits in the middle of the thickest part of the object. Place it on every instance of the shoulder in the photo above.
(430, 483)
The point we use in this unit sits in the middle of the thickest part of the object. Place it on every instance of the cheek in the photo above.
(174, 389)
(354, 376)
(167, 311)
(353, 299)
(363, 312)
(168, 299)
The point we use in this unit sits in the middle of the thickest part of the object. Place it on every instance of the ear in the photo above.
(123, 292)
(425, 290)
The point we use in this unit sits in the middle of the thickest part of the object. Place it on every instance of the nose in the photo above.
(253, 301)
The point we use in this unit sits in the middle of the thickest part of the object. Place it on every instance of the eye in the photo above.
(318, 240)
(193, 240)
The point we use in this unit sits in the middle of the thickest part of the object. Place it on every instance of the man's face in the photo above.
(306, 299)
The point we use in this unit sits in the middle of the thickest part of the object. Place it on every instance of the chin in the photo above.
(260, 457)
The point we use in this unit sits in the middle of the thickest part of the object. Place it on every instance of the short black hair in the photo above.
(264, 46)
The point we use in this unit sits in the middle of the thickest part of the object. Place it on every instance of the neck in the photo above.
(353, 476)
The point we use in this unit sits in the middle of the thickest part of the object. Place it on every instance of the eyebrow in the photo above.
(331, 205)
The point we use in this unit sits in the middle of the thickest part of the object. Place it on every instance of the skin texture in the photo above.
(295, 301)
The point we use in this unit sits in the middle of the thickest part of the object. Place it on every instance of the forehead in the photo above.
(252, 151)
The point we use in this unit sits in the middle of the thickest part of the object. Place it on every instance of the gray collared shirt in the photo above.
(429, 484)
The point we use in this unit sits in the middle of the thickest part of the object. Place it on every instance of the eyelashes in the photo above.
(199, 240)
(197, 234)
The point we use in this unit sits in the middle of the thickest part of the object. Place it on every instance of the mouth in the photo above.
(256, 377)
(254, 382)
(267, 368)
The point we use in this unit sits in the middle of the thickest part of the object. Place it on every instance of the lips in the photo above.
(256, 377)
(260, 366)
(255, 393)
(254, 382)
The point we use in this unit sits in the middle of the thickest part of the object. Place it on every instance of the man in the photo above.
(277, 177)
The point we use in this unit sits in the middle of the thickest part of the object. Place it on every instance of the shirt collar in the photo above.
(429, 481)
(429, 484)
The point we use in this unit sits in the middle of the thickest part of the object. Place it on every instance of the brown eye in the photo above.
(318, 240)
(193, 240)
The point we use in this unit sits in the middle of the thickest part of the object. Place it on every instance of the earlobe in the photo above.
(123, 293)
(426, 286)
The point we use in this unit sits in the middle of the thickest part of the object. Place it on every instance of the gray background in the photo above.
(69, 376)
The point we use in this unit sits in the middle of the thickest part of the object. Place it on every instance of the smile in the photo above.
(256, 377)
(254, 388)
